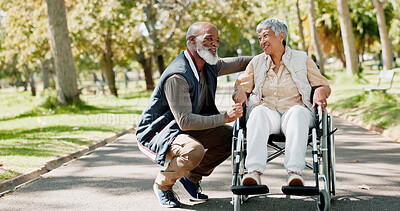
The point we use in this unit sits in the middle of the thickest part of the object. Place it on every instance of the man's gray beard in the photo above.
(205, 54)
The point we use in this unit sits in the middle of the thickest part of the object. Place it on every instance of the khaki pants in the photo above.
(189, 158)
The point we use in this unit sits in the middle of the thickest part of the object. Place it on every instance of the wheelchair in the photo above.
(320, 139)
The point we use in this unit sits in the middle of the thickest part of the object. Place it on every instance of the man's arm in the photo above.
(176, 91)
(232, 64)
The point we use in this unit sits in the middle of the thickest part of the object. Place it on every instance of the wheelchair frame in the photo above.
(321, 139)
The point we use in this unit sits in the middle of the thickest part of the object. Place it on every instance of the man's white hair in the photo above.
(276, 25)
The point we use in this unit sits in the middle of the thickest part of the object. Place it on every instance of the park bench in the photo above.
(93, 88)
(385, 77)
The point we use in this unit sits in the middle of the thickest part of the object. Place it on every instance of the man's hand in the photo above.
(240, 97)
(234, 112)
(320, 95)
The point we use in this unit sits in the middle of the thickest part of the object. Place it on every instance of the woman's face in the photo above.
(269, 42)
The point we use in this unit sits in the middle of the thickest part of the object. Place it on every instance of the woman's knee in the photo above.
(301, 112)
(257, 110)
(259, 113)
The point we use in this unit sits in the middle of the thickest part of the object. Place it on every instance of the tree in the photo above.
(329, 30)
(160, 35)
(66, 83)
(166, 23)
(300, 24)
(365, 27)
(383, 33)
(97, 26)
(26, 41)
(348, 37)
(314, 36)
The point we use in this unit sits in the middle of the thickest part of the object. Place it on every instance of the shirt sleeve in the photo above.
(176, 90)
(232, 64)
(245, 81)
(314, 75)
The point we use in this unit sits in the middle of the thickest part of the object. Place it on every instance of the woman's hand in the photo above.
(240, 97)
(320, 95)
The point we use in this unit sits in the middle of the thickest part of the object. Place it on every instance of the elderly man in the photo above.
(181, 119)
(278, 83)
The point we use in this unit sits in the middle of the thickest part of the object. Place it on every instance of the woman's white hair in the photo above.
(276, 25)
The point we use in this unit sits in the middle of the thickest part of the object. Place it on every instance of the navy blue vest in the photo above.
(157, 127)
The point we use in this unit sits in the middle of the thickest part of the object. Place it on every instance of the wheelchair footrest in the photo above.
(300, 190)
(250, 190)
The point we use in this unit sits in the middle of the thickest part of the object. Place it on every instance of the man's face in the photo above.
(207, 45)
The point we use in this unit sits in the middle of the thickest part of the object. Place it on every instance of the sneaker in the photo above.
(295, 179)
(166, 198)
(252, 178)
(192, 189)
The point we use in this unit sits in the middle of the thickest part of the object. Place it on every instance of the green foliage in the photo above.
(376, 108)
(135, 32)
(90, 22)
(365, 26)
(26, 44)
(49, 105)
(50, 99)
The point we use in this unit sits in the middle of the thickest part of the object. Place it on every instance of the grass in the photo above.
(376, 108)
(33, 130)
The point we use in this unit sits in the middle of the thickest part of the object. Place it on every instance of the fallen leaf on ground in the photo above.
(364, 187)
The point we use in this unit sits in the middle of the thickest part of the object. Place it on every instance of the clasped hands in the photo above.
(236, 110)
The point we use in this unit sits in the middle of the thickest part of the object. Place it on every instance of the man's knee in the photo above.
(195, 155)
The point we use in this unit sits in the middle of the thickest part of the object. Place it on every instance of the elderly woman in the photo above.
(277, 85)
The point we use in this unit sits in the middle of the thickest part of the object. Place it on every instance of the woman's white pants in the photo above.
(294, 124)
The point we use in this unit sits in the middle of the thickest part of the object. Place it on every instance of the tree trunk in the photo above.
(300, 23)
(383, 33)
(29, 79)
(66, 86)
(108, 65)
(148, 73)
(314, 37)
(32, 83)
(348, 37)
(45, 75)
(160, 63)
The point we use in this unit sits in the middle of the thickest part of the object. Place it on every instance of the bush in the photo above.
(50, 99)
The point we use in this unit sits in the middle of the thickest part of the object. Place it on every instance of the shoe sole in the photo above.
(180, 186)
(249, 182)
(296, 182)
(163, 205)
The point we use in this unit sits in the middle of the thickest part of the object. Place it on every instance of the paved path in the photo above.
(119, 177)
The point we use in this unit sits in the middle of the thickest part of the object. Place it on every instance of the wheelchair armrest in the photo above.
(242, 120)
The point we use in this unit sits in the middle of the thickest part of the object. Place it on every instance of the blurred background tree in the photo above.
(64, 65)
(25, 47)
(143, 36)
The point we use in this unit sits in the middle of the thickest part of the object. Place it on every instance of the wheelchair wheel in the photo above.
(328, 154)
(331, 153)
(323, 202)
(238, 157)
(237, 201)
